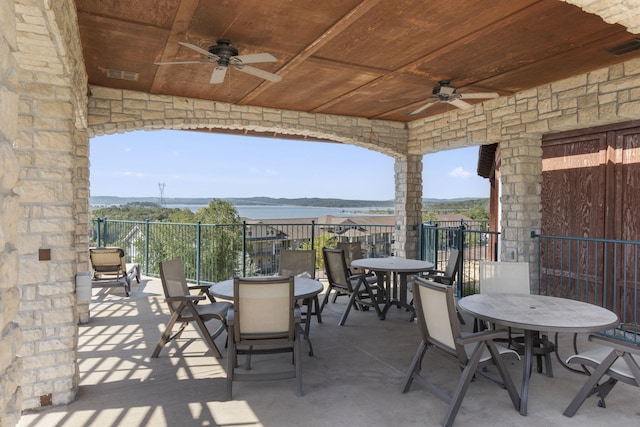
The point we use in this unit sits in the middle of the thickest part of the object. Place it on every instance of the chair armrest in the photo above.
(482, 336)
(185, 298)
(199, 287)
(434, 272)
(231, 315)
(615, 343)
(632, 327)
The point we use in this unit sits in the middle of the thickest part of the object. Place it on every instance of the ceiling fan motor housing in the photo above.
(223, 50)
(443, 90)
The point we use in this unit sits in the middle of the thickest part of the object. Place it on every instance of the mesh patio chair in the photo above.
(302, 263)
(264, 319)
(184, 307)
(513, 278)
(362, 294)
(613, 357)
(439, 328)
(109, 268)
(448, 275)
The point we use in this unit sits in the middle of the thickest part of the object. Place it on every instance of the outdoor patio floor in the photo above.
(354, 378)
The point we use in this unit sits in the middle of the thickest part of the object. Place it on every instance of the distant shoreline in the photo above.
(105, 201)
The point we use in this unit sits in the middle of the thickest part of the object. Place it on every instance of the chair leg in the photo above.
(164, 338)
(325, 300)
(231, 362)
(589, 387)
(414, 367)
(298, 361)
(316, 304)
(208, 339)
(352, 302)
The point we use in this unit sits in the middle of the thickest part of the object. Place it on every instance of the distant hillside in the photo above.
(262, 201)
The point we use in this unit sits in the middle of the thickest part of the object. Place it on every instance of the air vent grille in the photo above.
(122, 75)
(624, 48)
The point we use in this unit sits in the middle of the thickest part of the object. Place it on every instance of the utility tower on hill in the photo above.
(161, 187)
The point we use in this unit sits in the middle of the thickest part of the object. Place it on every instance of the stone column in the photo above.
(408, 205)
(521, 180)
(11, 370)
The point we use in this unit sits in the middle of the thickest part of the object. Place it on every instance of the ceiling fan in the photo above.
(224, 54)
(444, 92)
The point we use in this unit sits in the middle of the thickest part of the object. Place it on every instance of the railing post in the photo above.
(146, 246)
(98, 222)
(104, 233)
(244, 248)
(198, 235)
(460, 247)
(313, 233)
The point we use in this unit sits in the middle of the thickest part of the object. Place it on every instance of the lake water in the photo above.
(283, 212)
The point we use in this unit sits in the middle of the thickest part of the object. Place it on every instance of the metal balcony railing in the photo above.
(600, 271)
(214, 252)
(604, 272)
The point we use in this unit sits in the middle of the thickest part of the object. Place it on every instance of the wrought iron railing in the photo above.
(472, 238)
(604, 272)
(214, 252)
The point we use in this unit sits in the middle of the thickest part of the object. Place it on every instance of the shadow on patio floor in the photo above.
(353, 380)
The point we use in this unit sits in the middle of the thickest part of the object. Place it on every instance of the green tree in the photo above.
(218, 234)
(326, 240)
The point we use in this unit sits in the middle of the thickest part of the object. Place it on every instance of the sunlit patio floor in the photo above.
(354, 378)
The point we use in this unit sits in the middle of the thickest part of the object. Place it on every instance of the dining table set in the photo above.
(531, 313)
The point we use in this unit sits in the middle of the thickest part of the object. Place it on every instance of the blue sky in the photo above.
(196, 164)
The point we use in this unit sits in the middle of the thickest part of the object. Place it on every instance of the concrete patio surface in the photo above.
(354, 378)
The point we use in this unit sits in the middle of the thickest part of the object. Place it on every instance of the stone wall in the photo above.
(605, 96)
(117, 111)
(10, 333)
(52, 223)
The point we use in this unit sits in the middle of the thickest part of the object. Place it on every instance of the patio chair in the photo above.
(109, 268)
(352, 252)
(614, 357)
(448, 275)
(184, 307)
(513, 277)
(362, 294)
(302, 263)
(439, 328)
(264, 319)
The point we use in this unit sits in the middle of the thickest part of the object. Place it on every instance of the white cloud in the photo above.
(128, 173)
(460, 173)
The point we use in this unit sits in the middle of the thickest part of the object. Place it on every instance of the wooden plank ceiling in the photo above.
(365, 58)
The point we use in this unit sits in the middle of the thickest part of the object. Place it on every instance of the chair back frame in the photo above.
(300, 262)
(258, 304)
(336, 268)
(504, 277)
(437, 316)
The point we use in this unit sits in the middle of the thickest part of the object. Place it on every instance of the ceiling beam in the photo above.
(335, 30)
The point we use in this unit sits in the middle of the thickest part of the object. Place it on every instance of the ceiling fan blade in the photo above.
(484, 95)
(256, 58)
(424, 107)
(460, 104)
(218, 75)
(182, 62)
(259, 73)
(199, 50)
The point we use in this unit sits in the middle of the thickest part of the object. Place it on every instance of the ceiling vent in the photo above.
(122, 75)
(624, 48)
